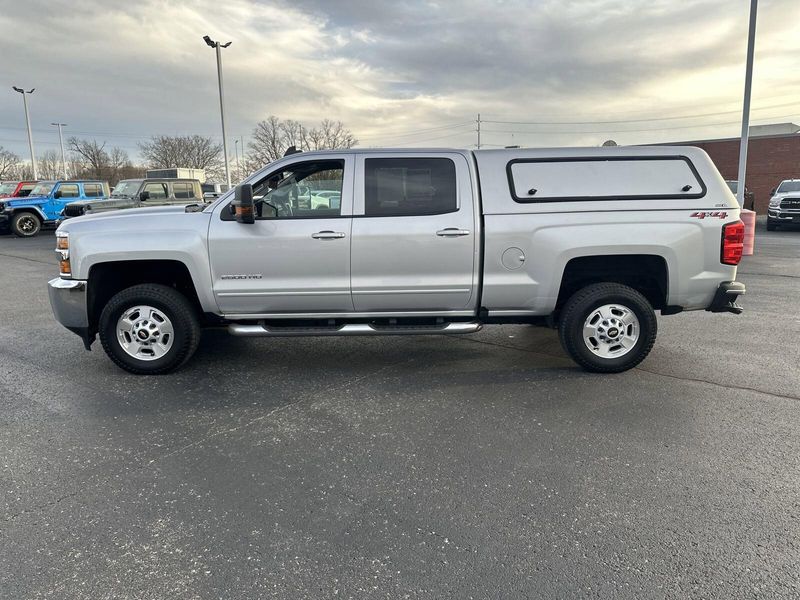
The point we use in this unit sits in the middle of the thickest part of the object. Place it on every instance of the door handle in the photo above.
(327, 235)
(452, 232)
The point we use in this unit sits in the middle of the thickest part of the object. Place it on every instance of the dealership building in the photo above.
(773, 154)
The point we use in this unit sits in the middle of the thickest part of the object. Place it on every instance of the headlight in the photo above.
(774, 202)
(62, 249)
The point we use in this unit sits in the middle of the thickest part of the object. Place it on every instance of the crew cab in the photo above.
(43, 206)
(592, 241)
(135, 193)
(784, 204)
(16, 189)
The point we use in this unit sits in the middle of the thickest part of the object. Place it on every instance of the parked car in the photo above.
(784, 204)
(749, 197)
(16, 189)
(590, 240)
(135, 193)
(43, 206)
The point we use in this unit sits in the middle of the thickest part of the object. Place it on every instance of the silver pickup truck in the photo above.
(592, 241)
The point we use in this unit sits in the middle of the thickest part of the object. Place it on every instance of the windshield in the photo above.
(42, 189)
(126, 189)
(8, 188)
(789, 186)
(733, 185)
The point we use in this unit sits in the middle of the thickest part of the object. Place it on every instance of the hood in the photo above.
(25, 201)
(131, 212)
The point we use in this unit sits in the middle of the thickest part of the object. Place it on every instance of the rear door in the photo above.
(414, 245)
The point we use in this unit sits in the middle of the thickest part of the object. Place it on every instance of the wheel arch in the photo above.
(111, 277)
(646, 273)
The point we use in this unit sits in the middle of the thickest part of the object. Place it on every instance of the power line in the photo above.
(695, 116)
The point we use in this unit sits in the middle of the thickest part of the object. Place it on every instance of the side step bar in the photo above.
(351, 329)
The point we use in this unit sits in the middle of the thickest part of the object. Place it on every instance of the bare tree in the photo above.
(272, 137)
(91, 155)
(194, 151)
(10, 164)
(49, 165)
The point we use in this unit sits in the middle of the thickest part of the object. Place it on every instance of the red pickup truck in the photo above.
(16, 189)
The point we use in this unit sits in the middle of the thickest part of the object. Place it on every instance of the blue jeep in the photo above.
(26, 216)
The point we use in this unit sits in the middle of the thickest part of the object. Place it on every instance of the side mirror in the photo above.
(57, 194)
(243, 204)
(144, 196)
(772, 193)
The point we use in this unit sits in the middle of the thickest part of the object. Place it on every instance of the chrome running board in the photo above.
(260, 330)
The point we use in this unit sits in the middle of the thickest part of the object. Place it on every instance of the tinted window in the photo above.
(69, 190)
(157, 191)
(409, 186)
(310, 189)
(93, 190)
(183, 190)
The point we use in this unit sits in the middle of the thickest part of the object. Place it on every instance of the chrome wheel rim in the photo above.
(145, 333)
(611, 331)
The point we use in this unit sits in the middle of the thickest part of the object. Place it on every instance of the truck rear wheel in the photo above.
(26, 224)
(607, 327)
(149, 329)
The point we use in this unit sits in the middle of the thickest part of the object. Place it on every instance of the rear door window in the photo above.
(69, 190)
(156, 191)
(409, 186)
(93, 190)
(183, 190)
(618, 178)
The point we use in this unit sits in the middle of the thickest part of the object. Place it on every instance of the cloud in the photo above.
(396, 72)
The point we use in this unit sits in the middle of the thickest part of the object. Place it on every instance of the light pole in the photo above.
(28, 122)
(217, 46)
(61, 141)
(238, 167)
(748, 83)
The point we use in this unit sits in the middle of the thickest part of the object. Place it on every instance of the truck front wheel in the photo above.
(149, 329)
(26, 224)
(607, 327)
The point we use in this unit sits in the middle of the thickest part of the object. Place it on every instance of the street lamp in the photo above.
(28, 122)
(748, 82)
(61, 141)
(217, 46)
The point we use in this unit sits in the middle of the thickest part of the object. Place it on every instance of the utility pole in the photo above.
(479, 131)
(748, 83)
(61, 141)
(28, 122)
(217, 46)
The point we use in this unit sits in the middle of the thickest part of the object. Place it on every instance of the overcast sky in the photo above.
(402, 72)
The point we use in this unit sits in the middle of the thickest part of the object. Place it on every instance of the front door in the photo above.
(414, 235)
(296, 257)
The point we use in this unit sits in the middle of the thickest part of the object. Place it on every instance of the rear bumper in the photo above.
(68, 299)
(725, 298)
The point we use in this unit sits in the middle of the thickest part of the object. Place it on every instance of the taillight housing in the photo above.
(732, 243)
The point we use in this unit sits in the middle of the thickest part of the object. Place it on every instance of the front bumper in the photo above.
(68, 299)
(784, 216)
(725, 298)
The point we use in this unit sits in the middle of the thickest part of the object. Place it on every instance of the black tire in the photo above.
(178, 310)
(26, 224)
(578, 309)
(771, 226)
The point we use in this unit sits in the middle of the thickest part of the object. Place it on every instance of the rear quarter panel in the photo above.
(550, 234)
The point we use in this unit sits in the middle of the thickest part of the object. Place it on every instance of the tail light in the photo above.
(732, 243)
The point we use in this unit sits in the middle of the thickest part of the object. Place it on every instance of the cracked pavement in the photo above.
(485, 466)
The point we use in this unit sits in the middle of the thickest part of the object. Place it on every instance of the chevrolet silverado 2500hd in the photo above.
(389, 242)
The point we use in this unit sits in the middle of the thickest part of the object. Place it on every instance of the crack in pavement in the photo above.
(36, 260)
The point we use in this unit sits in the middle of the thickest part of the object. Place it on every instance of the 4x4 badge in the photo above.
(719, 214)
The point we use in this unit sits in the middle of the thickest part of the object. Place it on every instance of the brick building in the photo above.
(771, 157)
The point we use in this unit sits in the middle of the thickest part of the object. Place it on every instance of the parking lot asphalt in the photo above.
(486, 466)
